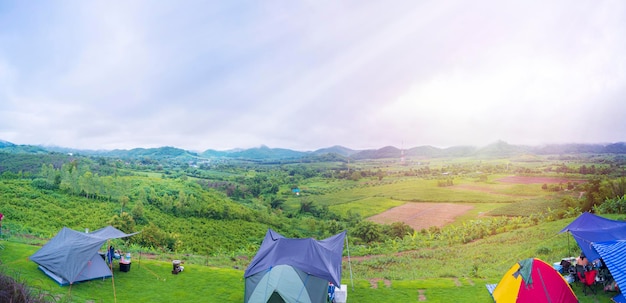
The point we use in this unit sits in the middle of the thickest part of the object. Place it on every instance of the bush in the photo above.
(368, 231)
(613, 206)
(18, 292)
(397, 230)
(44, 184)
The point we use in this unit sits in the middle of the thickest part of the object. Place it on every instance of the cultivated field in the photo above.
(422, 215)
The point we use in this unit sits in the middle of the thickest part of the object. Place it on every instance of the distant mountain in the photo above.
(616, 148)
(9, 147)
(501, 149)
(5, 144)
(459, 151)
(155, 153)
(385, 152)
(553, 149)
(424, 151)
(337, 149)
(498, 149)
(165, 152)
(211, 153)
(266, 153)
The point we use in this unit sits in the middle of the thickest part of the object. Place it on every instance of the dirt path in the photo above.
(374, 283)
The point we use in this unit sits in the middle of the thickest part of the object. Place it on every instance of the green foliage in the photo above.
(123, 222)
(612, 206)
(398, 230)
(44, 184)
(368, 231)
(217, 214)
(15, 291)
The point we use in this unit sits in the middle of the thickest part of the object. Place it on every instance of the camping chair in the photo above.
(588, 279)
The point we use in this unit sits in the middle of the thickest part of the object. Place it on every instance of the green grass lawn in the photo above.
(456, 273)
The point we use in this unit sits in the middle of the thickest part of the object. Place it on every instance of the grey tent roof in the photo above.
(69, 254)
(320, 258)
(110, 232)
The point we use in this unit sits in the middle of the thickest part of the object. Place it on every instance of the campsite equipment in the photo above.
(589, 228)
(176, 268)
(532, 280)
(294, 270)
(72, 256)
(588, 279)
(341, 294)
(602, 238)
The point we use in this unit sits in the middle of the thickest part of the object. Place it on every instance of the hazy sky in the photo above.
(306, 74)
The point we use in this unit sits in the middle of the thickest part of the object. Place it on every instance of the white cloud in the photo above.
(308, 75)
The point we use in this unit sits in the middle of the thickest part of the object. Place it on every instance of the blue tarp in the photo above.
(613, 253)
(320, 258)
(619, 298)
(589, 228)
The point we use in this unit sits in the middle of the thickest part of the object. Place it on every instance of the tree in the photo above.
(276, 203)
(137, 212)
(123, 222)
(306, 206)
(398, 230)
(123, 202)
(368, 231)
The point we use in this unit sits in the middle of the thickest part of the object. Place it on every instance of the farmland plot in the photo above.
(422, 215)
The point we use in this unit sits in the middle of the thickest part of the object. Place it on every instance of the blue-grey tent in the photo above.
(72, 256)
(293, 270)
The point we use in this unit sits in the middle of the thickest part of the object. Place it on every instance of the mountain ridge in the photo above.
(264, 153)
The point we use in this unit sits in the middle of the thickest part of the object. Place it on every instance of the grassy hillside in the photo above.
(456, 273)
(214, 216)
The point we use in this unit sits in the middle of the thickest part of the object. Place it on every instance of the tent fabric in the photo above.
(285, 283)
(320, 258)
(619, 298)
(589, 228)
(73, 256)
(293, 270)
(613, 253)
(95, 269)
(533, 280)
(110, 232)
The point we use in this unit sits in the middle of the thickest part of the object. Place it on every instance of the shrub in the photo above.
(18, 292)
(368, 231)
(44, 184)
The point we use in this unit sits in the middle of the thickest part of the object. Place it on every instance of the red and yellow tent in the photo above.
(534, 281)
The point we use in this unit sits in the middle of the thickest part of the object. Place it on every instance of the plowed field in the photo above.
(422, 215)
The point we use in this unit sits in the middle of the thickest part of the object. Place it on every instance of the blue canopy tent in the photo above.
(604, 238)
(589, 228)
(294, 270)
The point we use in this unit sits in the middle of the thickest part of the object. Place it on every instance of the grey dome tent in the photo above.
(72, 256)
(293, 270)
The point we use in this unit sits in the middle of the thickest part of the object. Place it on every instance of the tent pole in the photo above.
(112, 276)
(569, 252)
(349, 262)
